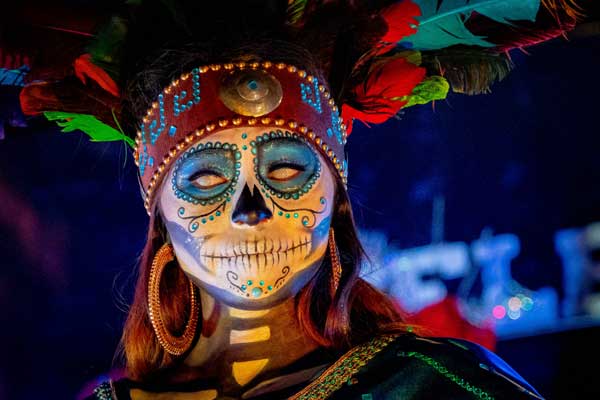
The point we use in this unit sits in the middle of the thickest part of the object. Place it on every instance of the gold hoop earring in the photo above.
(336, 265)
(175, 345)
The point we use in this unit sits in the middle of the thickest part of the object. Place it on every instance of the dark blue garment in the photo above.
(403, 367)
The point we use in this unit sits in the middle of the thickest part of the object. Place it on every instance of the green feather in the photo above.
(90, 125)
(444, 26)
(295, 10)
(107, 46)
(432, 88)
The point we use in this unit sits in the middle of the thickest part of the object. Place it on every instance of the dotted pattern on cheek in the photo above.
(195, 220)
(307, 216)
(272, 191)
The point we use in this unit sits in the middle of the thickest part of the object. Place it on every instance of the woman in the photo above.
(249, 281)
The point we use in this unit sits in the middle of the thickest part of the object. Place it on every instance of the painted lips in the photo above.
(257, 255)
(255, 247)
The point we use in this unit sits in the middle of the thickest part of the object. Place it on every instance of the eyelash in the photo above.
(202, 172)
(286, 164)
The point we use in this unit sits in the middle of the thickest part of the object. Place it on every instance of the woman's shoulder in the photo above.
(458, 360)
(408, 366)
(405, 366)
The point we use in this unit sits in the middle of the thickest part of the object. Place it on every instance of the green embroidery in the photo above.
(104, 391)
(480, 393)
(462, 346)
(343, 369)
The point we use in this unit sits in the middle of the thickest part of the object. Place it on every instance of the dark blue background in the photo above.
(523, 159)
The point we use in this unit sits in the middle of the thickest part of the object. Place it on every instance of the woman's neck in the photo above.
(236, 345)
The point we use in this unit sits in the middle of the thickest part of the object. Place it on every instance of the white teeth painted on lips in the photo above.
(275, 247)
(255, 263)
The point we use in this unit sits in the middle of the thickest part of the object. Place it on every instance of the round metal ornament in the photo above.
(251, 93)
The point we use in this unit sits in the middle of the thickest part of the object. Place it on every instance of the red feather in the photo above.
(401, 22)
(85, 68)
(388, 80)
(35, 99)
(69, 95)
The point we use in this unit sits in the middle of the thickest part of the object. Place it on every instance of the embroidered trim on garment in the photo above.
(343, 369)
(104, 391)
(480, 393)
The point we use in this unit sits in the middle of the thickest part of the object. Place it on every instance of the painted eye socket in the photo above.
(205, 174)
(287, 165)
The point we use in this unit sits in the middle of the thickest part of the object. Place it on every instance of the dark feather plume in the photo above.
(555, 19)
(468, 70)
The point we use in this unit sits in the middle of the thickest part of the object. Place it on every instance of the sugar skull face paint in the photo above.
(248, 212)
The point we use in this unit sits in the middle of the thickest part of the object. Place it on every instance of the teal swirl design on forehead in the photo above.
(220, 160)
(277, 149)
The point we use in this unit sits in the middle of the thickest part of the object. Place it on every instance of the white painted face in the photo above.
(248, 212)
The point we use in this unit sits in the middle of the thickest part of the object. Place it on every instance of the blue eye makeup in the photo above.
(207, 174)
(285, 164)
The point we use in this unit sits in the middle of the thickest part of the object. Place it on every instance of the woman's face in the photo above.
(248, 212)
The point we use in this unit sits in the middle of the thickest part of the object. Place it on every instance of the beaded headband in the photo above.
(212, 98)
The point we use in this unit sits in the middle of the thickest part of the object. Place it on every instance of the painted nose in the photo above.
(251, 208)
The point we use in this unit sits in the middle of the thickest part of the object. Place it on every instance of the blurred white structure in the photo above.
(418, 277)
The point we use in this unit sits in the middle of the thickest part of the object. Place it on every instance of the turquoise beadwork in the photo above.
(336, 129)
(311, 95)
(155, 128)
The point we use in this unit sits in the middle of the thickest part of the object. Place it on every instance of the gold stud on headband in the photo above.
(251, 93)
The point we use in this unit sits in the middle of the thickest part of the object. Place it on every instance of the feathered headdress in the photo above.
(378, 57)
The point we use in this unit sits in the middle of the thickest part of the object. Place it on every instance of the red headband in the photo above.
(217, 97)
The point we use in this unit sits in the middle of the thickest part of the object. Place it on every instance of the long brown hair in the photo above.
(357, 312)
